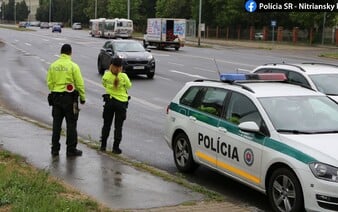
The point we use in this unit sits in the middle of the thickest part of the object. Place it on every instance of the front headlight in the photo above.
(122, 56)
(324, 171)
(150, 57)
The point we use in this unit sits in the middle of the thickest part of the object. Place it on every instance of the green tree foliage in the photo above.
(18, 12)
(102, 9)
(173, 9)
(79, 14)
(215, 13)
(22, 11)
(42, 12)
(9, 14)
(145, 10)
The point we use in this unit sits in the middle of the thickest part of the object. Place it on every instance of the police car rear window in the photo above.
(189, 96)
(205, 99)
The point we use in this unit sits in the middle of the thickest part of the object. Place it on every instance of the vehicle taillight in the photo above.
(167, 110)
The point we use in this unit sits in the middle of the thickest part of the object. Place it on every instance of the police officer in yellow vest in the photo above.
(116, 99)
(64, 80)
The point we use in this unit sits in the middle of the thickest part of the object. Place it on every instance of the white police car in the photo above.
(277, 137)
(322, 77)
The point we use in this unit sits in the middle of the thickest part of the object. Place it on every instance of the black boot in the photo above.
(74, 152)
(116, 149)
(103, 146)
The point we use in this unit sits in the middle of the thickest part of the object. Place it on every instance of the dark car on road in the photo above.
(56, 28)
(136, 59)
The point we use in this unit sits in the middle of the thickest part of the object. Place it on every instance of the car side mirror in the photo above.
(109, 51)
(249, 126)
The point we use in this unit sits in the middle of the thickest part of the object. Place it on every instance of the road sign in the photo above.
(273, 23)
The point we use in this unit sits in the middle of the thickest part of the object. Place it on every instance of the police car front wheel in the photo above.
(183, 154)
(284, 191)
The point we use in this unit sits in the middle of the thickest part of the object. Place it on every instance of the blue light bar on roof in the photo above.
(232, 77)
(260, 76)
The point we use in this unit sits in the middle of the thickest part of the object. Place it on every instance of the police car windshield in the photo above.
(302, 114)
(326, 83)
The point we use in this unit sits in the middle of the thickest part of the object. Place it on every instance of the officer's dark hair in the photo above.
(66, 49)
(116, 61)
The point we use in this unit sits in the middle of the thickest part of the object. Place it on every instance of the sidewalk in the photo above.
(269, 45)
(106, 179)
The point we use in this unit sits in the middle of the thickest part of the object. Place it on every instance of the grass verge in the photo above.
(330, 55)
(176, 178)
(15, 28)
(23, 188)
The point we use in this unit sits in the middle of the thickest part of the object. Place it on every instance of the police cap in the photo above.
(66, 49)
(116, 61)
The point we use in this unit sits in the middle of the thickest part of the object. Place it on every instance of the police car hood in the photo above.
(322, 147)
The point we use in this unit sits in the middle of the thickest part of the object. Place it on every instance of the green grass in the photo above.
(23, 188)
(14, 27)
(330, 55)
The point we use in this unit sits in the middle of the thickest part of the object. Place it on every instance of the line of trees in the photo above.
(14, 11)
(215, 13)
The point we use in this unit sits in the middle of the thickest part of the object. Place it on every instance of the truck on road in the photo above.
(165, 33)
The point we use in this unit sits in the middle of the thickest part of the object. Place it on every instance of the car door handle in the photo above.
(222, 129)
(192, 118)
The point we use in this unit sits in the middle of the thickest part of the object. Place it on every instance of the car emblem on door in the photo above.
(248, 157)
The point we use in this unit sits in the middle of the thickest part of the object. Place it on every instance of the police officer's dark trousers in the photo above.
(118, 109)
(63, 108)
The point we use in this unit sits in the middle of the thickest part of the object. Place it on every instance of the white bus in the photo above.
(97, 27)
(118, 28)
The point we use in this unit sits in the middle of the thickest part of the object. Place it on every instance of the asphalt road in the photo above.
(26, 56)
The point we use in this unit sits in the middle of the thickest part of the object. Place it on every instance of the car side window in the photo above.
(293, 77)
(264, 70)
(106, 45)
(211, 101)
(189, 96)
(241, 109)
(297, 78)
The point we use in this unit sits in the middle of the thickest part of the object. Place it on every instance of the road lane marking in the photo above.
(164, 78)
(28, 44)
(204, 69)
(190, 75)
(178, 64)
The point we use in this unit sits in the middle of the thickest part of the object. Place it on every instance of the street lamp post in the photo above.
(30, 11)
(199, 23)
(71, 12)
(50, 10)
(14, 13)
(128, 9)
(323, 32)
(95, 9)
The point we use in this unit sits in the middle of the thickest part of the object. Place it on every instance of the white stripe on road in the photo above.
(190, 75)
(204, 69)
(28, 44)
(164, 78)
(177, 64)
